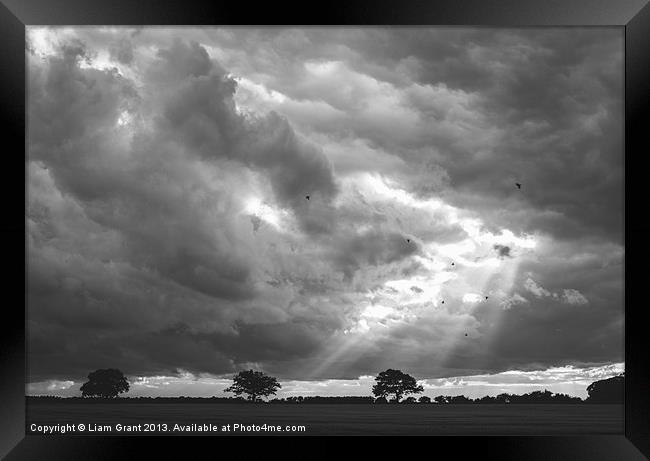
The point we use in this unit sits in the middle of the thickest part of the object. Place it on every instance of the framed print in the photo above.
(366, 219)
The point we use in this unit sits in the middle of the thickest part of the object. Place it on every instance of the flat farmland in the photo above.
(339, 419)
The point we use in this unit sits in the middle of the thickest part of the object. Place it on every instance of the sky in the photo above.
(322, 204)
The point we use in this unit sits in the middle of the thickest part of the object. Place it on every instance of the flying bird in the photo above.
(518, 185)
(486, 298)
(307, 197)
(408, 240)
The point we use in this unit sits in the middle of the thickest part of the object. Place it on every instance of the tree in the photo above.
(564, 398)
(486, 399)
(253, 383)
(607, 390)
(460, 399)
(394, 382)
(105, 383)
(409, 400)
(424, 399)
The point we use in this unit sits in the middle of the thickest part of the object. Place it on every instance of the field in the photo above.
(337, 419)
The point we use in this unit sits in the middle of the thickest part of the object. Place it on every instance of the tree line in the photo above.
(391, 386)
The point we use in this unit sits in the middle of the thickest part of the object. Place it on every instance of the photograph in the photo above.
(324, 230)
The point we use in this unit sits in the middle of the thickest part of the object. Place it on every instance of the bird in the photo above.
(452, 264)
(408, 240)
(518, 185)
(443, 302)
(486, 298)
(465, 334)
(307, 197)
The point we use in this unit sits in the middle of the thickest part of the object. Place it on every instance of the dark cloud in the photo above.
(121, 51)
(181, 60)
(256, 221)
(129, 192)
(372, 248)
(294, 166)
(542, 113)
(502, 250)
(566, 336)
(168, 228)
(201, 114)
(561, 109)
(69, 104)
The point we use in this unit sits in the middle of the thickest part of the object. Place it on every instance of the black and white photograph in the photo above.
(324, 230)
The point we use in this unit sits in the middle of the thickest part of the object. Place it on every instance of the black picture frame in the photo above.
(632, 15)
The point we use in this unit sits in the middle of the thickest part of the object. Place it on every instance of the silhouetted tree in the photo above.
(545, 396)
(255, 384)
(460, 399)
(336, 399)
(564, 398)
(409, 400)
(452, 399)
(607, 390)
(394, 382)
(424, 399)
(536, 397)
(486, 399)
(381, 400)
(106, 383)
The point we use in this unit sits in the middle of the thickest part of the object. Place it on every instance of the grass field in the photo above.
(341, 419)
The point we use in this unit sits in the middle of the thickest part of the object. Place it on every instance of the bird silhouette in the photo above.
(307, 197)
(443, 302)
(465, 334)
(486, 298)
(408, 240)
(518, 185)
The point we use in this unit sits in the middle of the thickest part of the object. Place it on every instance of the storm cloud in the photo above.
(169, 229)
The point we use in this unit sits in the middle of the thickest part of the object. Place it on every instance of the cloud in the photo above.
(168, 225)
(573, 297)
(502, 250)
(121, 51)
(569, 296)
(535, 289)
(372, 248)
(472, 298)
(514, 300)
(496, 82)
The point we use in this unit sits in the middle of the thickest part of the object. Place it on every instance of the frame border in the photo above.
(632, 15)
